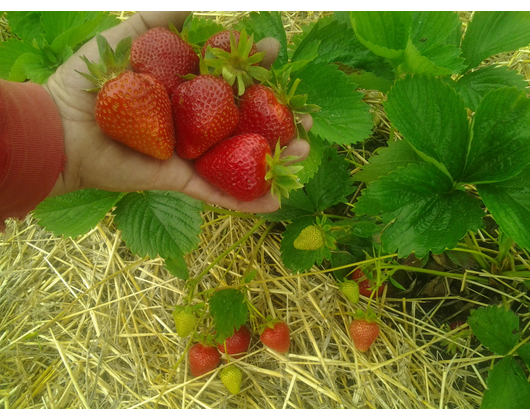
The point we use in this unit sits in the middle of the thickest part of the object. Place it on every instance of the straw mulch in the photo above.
(86, 324)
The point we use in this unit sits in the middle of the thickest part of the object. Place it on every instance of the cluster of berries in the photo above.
(213, 105)
(203, 357)
(364, 329)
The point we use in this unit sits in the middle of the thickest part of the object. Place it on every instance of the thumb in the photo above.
(271, 46)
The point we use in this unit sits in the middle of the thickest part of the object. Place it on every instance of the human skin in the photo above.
(94, 160)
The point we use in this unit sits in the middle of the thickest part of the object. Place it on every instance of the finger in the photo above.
(271, 46)
(296, 147)
(306, 120)
(198, 188)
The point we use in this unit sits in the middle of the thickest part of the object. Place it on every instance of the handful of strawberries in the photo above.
(212, 104)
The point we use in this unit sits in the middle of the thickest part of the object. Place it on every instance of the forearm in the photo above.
(31, 147)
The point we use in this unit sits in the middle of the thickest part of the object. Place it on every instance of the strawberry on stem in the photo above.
(131, 108)
(276, 335)
(243, 167)
(236, 345)
(364, 330)
(203, 359)
(185, 320)
(231, 376)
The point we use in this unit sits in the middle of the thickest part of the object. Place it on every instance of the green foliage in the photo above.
(344, 117)
(46, 40)
(424, 205)
(198, 30)
(498, 330)
(229, 311)
(476, 84)
(150, 225)
(75, 213)
(491, 33)
(267, 24)
(177, 266)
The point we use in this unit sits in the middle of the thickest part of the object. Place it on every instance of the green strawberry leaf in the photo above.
(430, 28)
(25, 25)
(300, 260)
(200, 29)
(79, 34)
(474, 85)
(75, 213)
(267, 24)
(370, 81)
(10, 51)
(421, 209)
(439, 60)
(491, 33)
(509, 204)
(524, 353)
(398, 154)
(507, 386)
(165, 223)
(495, 327)
(344, 117)
(501, 137)
(229, 311)
(177, 266)
(312, 162)
(385, 33)
(432, 118)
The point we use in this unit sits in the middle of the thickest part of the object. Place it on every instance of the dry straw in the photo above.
(86, 324)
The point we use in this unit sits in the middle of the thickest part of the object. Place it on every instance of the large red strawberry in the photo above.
(237, 344)
(131, 108)
(242, 167)
(203, 359)
(222, 40)
(277, 336)
(204, 113)
(165, 55)
(363, 333)
(260, 112)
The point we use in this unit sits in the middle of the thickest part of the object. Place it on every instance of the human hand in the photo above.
(94, 160)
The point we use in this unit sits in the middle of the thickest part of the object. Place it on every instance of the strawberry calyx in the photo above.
(112, 62)
(369, 315)
(282, 176)
(237, 66)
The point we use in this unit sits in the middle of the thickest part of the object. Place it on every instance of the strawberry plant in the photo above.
(498, 331)
(45, 40)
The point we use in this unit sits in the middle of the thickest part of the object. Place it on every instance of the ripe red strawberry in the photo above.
(363, 333)
(131, 108)
(365, 284)
(242, 167)
(203, 359)
(222, 40)
(260, 112)
(277, 336)
(204, 113)
(237, 344)
(165, 55)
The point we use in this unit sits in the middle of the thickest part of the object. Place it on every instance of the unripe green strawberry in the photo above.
(310, 239)
(231, 377)
(350, 289)
(185, 320)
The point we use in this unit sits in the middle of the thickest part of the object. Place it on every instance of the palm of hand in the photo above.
(96, 161)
